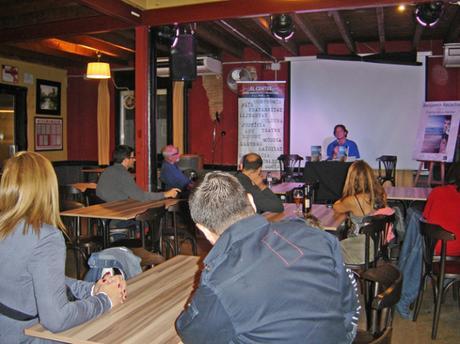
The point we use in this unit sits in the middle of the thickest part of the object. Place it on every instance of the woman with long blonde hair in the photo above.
(362, 196)
(32, 255)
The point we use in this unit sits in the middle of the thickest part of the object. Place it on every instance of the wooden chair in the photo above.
(437, 269)
(152, 218)
(388, 173)
(173, 236)
(71, 193)
(386, 285)
(80, 245)
(290, 167)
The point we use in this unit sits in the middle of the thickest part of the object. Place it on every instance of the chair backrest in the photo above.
(386, 289)
(92, 198)
(376, 227)
(69, 192)
(431, 234)
(289, 165)
(389, 166)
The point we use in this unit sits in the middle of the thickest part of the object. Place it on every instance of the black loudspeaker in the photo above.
(183, 58)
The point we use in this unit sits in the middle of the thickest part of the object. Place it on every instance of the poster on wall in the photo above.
(48, 134)
(438, 131)
(261, 120)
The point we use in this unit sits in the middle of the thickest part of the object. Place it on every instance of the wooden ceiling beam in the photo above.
(265, 26)
(105, 47)
(62, 28)
(307, 28)
(245, 8)
(45, 15)
(243, 38)
(18, 53)
(217, 41)
(343, 30)
(116, 9)
(381, 27)
(62, 49)
(117, 39)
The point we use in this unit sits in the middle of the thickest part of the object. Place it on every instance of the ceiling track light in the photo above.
(282, 26)
(428, 14)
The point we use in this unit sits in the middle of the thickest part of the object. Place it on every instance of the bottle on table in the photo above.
(269, 179)
(307, 198)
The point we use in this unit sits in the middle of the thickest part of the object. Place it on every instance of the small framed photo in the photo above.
(48, 134)
(48, 99)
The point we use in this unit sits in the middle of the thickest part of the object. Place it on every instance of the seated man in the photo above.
(170, 173)
(117, 184)
(251, 179)
(341, 133)
(265, 282)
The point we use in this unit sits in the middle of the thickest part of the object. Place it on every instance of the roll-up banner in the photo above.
(438, 131)
(261, 120)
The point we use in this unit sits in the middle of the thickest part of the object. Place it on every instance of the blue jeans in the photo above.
(410, 262)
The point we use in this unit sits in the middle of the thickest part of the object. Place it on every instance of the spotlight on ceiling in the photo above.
(429, 13)
(282, 26)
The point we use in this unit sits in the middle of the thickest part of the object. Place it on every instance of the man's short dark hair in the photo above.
(252, 161)
(121, 153)
(219, 201)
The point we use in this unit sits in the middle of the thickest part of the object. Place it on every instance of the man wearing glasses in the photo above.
(171, 175)
(117, 184)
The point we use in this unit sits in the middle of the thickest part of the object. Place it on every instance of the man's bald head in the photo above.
(252, 162)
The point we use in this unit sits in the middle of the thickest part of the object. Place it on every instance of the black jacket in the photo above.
(264, 200)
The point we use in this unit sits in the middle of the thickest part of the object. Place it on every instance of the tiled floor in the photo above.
(404, 331)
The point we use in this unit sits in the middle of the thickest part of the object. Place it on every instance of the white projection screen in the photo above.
(380, 104)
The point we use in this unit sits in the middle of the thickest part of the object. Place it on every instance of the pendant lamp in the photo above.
(98, 70)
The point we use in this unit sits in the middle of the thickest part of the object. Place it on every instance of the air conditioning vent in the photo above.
(452, 55)
(205, 66)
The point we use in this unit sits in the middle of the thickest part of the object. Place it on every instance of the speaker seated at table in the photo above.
(329, 176)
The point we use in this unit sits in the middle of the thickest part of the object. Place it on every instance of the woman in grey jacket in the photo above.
(32, 255)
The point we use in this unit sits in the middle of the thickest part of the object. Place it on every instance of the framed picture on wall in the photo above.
(48, 98)
(48, 134)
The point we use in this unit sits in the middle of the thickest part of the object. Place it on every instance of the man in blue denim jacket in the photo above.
(265, 282)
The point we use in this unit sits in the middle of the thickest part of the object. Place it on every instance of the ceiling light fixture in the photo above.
(282, 26)
(98, 70)
(401, 8)
(429, 13)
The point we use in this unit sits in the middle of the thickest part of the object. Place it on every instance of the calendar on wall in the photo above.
(48, 134)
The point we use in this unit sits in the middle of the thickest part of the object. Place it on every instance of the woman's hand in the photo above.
(114, 287)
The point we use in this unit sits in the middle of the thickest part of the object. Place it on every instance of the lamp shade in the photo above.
(98, 70)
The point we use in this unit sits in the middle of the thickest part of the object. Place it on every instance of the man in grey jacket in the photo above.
(117, 184)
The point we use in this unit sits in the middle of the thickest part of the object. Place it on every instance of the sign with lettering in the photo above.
(261, 120)
(438, 131)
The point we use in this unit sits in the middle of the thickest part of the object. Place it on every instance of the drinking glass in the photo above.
(298, 198)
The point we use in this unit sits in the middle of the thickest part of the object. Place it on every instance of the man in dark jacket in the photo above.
(265, 282)
(251, 179)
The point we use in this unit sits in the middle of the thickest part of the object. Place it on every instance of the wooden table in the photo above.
(155, 300)
(84, 186)
(119, 210)
(404, 193)
(284, 188)
(328, 218)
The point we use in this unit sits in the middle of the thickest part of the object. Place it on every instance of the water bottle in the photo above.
(269, 179)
